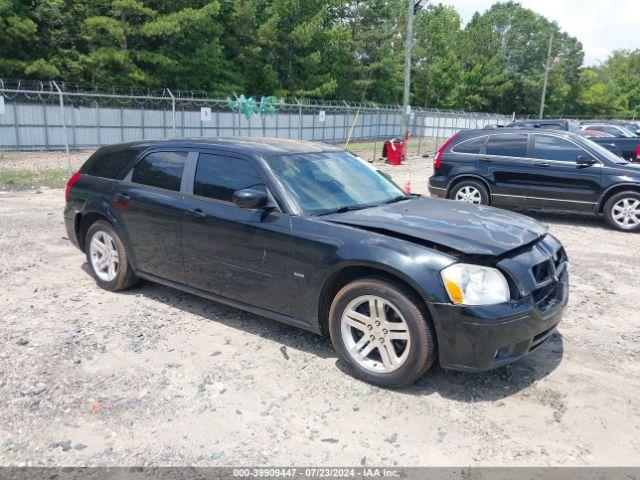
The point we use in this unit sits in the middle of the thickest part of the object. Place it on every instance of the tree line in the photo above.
(324, 49)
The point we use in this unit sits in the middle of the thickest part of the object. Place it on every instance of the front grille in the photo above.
(548, 277)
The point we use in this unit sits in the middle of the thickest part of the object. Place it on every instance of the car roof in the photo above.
(258, 145)
(499, 131)
(546, 120)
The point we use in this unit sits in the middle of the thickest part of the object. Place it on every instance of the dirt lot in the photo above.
(153, 376)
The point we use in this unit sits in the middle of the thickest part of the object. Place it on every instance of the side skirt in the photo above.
(232, 303)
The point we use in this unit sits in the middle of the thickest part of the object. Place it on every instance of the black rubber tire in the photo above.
(608, 210)
(485, 199)
(422, 351)
(125, 277)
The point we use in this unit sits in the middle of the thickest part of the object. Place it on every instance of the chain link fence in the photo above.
(50, 116)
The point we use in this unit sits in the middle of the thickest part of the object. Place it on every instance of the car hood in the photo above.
(470, 229)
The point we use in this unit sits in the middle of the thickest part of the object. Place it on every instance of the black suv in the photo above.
(533, 168)
(313, 236)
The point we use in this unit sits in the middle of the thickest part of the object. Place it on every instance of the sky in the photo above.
(601, 25)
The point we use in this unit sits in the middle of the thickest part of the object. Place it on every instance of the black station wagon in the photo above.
(538, 169)
(315, 237)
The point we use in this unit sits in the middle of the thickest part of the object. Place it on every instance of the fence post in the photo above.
(173, 112)
(420, 132)
(375, 138)
(46, 123)
(299, 119)
(64, 128)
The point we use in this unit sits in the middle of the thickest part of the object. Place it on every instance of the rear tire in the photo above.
(470, 191)
(107, 258)
(622, 211)
(391, 347)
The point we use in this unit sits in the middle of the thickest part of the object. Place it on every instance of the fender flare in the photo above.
(600, 204)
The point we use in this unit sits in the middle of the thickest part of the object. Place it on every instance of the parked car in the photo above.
(632, 127)
(590, 134)
(547, 124)
(618, 131)
(314, 237)
(533, 168)
(627, 148)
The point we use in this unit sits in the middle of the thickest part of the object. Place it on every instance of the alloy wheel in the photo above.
(469, 194)
(104, 256)
(626, 212)
(375, 334)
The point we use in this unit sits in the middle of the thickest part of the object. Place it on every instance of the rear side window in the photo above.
(473, 145)
(552, 148)
(507, 145)
(108, 164)
(218, 177)
(552, 126)
(160, 169)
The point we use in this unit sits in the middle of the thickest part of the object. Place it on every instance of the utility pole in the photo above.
(407, 66)
(546, 77)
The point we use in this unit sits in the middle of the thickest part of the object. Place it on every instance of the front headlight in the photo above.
(475, 285)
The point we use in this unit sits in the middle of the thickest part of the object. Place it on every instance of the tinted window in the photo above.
(218, 177)
(552, 126)
(610, 130)
(551, 148)
(160, 169)
(473, 145)
(108, 164)
(507, 145)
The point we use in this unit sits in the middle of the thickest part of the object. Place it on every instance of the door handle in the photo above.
(197, 213)
(486, 160)
(122, 196)
(542, 164)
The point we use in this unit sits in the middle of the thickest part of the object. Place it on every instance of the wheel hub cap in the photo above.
(104, 256)
(375, 333)
(469, 195)
(626, 212)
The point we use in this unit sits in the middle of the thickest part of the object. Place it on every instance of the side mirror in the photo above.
(250, 199)
(585, 160)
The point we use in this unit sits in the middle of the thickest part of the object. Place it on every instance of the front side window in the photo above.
(218, 177)
(507, 145)
(553, 148)
(323, 182)
(160, 169)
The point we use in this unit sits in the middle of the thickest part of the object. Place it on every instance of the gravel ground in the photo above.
(38, 161)
(153, 376)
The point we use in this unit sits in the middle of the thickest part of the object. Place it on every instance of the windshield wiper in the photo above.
(395, 199)
(343, 209)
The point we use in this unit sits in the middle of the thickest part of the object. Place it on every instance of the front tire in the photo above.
(380, 330)
(622, 211)
(107, 258)
(469, 191)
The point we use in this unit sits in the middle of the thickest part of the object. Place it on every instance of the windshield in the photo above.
(328, 181)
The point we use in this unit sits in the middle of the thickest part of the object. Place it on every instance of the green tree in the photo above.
(437, 67)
